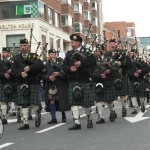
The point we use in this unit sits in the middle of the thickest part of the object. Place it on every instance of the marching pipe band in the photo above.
(119, 56)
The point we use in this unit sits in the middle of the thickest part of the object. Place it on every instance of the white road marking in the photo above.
(50, 128)
(4, 145)
(60, 124)
(15, 120)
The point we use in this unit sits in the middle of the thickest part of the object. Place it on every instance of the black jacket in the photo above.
(80, 75)
(35, 64)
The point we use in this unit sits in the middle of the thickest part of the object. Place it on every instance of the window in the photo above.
(51, 43)
(87, 15)
(41, 10)
(87, 33)
(78, 27)
(78, 8)
(128, 31)
(10, 39)
(87, 1)
(94, 5)
(50, 15)
(95, 21)
(65, 1)
(57, 18)
(19, 9)
(66, 20)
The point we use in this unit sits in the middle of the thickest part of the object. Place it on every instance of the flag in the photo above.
(23, 9)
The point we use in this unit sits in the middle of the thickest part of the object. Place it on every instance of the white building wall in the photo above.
(23, 26)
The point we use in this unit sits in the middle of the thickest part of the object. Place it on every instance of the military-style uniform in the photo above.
(80, 91)
(56, 90)
(27, 91)
(7, 85)
(136, 83)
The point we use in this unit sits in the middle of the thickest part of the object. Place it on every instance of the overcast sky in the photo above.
(137, 11)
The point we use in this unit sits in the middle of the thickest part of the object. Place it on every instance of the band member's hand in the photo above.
(73, 68)
(26, 69)
(103, 75)
(24, 74)
(55, 74)
(7, 75)
(52, 78)
(149, 73)
(107, 71)
(119, 63)
(136, 74)
(9, 71)
(139, 71)
(77, 63)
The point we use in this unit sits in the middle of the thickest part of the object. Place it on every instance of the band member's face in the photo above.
(98, 53)
(112, 46)
(52, 56)
(5, 54)
(131, 54)
(75, 44)
(24, 48)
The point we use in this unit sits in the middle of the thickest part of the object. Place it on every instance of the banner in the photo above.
(23, 9)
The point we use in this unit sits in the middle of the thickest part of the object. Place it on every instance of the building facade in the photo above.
(127, 32)
(52, 21)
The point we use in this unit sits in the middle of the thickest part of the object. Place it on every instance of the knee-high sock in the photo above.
(123, 101)
(147, 96)
(35, 108)
(88, 112)
(12, 107)
(75, 111)
(110, 106)
(18, 110)
(25, 114)
(53, 110)
(4, 110)
(100, 109)
(114, 105)
(30, 110)
(134, 102)
(142, 100)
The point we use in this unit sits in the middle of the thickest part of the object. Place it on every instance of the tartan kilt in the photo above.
(6, 98)
(125, 90)
(98, 97)
(33, 97)
(141, 93)
(88, 96)
(41, 93)
(109, 93)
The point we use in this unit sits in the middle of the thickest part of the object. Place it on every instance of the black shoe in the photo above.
(75, 127)
(111, 117)
(89, 123)
(18, 118)
(38, 120)
(53, 120)
(100, 120)
(30, 117)
(124, 112)
(24, 127)
(4, 121)
(134, 111)
(12, 114)
(142, 108)
(115, 114)
(63, 117)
